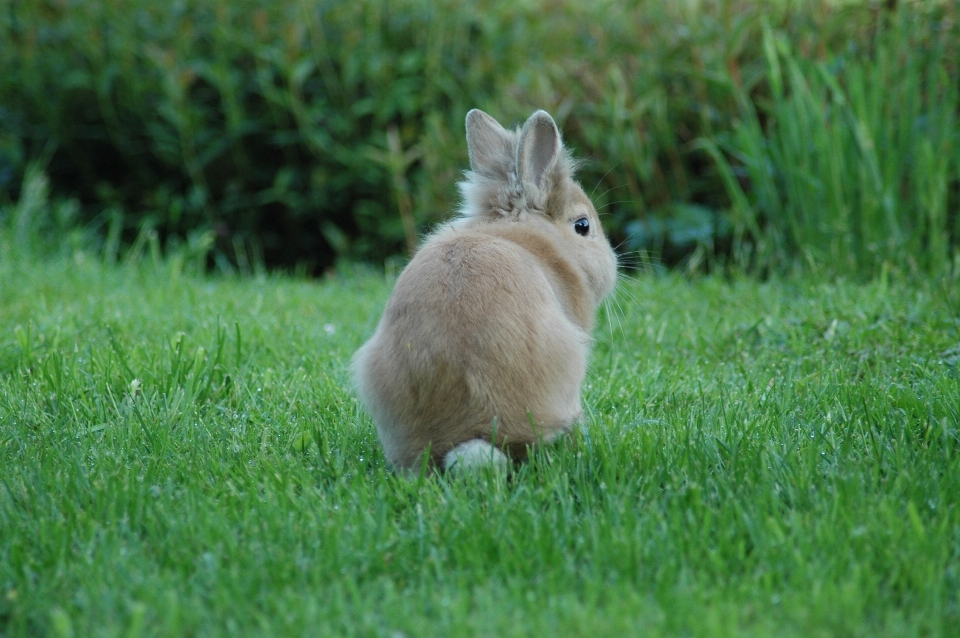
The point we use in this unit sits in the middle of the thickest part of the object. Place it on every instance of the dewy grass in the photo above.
(181, 455)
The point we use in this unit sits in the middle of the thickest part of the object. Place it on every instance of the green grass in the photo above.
(854, 162)
(775, 458)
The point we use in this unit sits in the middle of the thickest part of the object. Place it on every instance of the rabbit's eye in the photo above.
(582, 226)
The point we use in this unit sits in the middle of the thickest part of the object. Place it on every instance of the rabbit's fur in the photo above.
(486, 335)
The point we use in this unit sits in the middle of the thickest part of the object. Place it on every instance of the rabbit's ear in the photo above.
(488, 143)
(540, 147)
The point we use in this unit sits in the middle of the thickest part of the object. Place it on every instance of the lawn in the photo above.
(181, 454)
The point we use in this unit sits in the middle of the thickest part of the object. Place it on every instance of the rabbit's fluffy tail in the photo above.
(474, 453)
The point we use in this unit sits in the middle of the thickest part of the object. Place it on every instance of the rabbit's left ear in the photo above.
(539, 149)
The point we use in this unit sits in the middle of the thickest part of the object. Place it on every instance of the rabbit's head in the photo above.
(526, 176)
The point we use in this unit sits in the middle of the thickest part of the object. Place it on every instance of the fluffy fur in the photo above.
(487, 332)
(474, 453)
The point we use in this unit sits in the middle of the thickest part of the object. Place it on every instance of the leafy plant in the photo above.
(855, 161)
(302, 132)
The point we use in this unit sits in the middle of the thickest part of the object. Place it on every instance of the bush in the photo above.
(311, 131)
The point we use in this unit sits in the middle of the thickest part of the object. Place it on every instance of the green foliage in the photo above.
(302, 131)
(857, 164)
(34, 227)
(181, 455)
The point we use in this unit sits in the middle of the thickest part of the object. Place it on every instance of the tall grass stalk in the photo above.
(853, 163)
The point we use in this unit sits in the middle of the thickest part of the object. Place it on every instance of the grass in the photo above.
(856, 164)
(181, 455)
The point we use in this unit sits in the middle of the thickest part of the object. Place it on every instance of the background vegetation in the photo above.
(300, 132)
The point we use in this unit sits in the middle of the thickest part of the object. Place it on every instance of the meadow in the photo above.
(182, 455)
(203, 208)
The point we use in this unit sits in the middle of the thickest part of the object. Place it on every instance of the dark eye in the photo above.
(582, 226)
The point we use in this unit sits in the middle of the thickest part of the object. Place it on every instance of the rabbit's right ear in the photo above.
(489, 145)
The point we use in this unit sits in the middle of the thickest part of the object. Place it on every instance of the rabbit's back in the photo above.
(475, 337)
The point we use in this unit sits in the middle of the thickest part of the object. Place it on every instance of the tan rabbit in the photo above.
(486, 335)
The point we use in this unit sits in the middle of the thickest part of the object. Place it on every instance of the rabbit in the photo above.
(483, 344)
